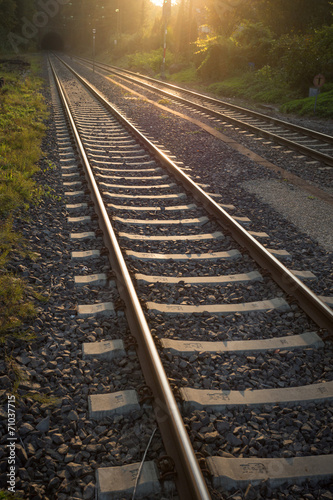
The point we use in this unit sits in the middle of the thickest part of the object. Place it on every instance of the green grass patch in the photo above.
(302, 107)
(22, 115)
(164, 101)
(7, 495)
(149, 63)
(22, 112)
(264, 86)
(187, 75)
(15, 304)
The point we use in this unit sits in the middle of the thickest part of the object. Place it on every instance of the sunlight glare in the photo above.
(160, 2)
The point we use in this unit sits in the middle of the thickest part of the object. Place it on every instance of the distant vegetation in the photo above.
(267, 51)
(264, 50)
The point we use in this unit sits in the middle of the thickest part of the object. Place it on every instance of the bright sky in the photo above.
(160, 2)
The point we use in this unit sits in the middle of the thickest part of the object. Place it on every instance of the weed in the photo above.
(164, 101)
(193, 132)
(15, 308)
(264, 85)
(43, 399)
(10, 241)
(165, 116)
(49, 192)
(50, 165)
(148, 61)
(19, 376)
(7, 495)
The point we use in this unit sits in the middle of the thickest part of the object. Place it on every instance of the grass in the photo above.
(147, 62)
(268, 87)
(263, 86)
(7, 495)
(43, 399)
(187, 75)
(305, 107)
(164, 101)
(22, 111)
(15, 307)
(22, 115)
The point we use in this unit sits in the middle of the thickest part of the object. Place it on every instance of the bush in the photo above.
(148, 62)
(324, 108)
(264, 85)
(255, 41)
(187, 75)
(220, 62)
(301, 57)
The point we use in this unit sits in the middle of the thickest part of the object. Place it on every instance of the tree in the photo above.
(285, 16)
(14, 14)
(255, 41)
(8, 15)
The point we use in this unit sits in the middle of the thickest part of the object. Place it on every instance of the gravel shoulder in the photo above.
(309, 214)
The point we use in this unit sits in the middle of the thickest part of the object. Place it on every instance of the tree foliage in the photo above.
(12, 13)
(291, 39)
(276, 34)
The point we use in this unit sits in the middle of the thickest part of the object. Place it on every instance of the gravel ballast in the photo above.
(60, 447)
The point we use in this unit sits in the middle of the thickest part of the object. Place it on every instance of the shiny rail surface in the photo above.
(190, 481)
(309, 302)
(186, 463)
(309, 142)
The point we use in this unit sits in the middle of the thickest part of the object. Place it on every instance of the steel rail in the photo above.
(189, 479)
(276, 121)
(312, 305)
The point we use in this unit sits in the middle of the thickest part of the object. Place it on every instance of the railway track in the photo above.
(308, 142)
(222, 312)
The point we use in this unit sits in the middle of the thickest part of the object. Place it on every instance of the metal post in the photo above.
(166, 13)
(94, 36)
(164, 50)
(117, 11)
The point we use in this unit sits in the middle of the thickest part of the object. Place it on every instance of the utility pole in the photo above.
(165, 16)
(94, 36)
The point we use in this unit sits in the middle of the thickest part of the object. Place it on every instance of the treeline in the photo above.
(112, 20)
(291, 40)
(11, 14)
(287, 40)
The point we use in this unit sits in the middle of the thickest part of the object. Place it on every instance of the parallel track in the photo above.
(306, 141)
(127, 172)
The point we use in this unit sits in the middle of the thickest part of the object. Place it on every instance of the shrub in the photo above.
(301, 57)
(324, 107)
(265, 85)
(255, 41)
(148, 61)
(221, 61)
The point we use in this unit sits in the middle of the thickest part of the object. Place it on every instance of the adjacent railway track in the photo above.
(309, 142)
(182, 265)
